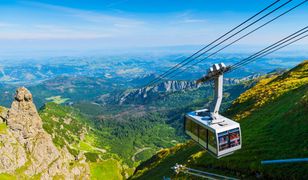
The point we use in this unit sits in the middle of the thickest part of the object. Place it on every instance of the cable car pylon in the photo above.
(178, 168)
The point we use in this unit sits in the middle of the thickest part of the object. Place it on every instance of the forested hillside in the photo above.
(273, 118)
(115, 145)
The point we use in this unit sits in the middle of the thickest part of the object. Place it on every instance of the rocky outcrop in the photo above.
(147, 93)
(23, 119)
(171, 86)
(12, 153)
(25, 145)
(9, 147)
(140, 95)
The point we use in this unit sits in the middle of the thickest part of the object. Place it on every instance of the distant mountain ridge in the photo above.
(149, 93)
(141, 94)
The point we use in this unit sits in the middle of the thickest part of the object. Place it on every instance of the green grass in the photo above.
(146, 154)
(54, 115)
(6, 176)
(84, 146)
(160, 164)
(92, 157)
(20, 172)
(106, 170)
(57, 99)
(3, 128)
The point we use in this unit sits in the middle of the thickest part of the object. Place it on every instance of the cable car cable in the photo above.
(243, 62)
(180, 168)
(271, 51)
(207, 173)
(272, 48)
(268, 53)
(215, 40)
(183, 70)
(247, 59)
(237, 40)
(269, 47)
(224, 41)
(272, 45)
(182, 65)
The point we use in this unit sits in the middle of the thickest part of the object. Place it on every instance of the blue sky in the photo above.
(100, 24)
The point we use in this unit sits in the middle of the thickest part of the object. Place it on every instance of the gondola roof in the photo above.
(221, 124)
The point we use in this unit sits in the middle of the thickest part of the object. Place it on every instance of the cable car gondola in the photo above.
(217, 134)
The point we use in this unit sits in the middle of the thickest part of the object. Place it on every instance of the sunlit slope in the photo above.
(69, 128)
(269, 89)
(112, 148)
(274, 121)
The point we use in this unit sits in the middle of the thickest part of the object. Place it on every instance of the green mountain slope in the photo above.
(69, 128)
(273, 116)
(113, 148)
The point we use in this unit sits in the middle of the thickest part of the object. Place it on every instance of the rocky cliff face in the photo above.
(23, 119)
(143, 94)
(140, 95)
(27, 150)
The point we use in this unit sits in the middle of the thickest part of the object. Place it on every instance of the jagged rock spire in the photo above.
(27, 145)
(23, 118)
(23, 94)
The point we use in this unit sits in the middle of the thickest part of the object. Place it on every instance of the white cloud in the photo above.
(86, 15)
(75, 24)
(190, 20)
(189, 17)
